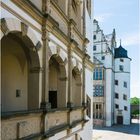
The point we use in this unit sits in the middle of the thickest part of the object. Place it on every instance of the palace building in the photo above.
(46, 69)
(111, 80)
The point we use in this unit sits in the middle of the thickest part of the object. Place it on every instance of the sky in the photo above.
(123, 15)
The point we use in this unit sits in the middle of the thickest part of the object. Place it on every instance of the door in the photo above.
(119, 119)
(53, 98)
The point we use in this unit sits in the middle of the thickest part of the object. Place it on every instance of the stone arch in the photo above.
(76, 87)
(57, 82)
(75, 63)
(21, 46)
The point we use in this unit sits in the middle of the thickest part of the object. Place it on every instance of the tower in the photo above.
(122, 86)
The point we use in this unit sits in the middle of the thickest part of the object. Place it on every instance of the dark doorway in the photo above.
(119, 119)
(53, 98)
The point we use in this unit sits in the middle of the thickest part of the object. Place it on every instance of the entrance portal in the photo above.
(119, 119)
(53, 98)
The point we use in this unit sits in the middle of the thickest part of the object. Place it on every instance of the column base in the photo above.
(84, 105)
(70, 105)
(45, 105)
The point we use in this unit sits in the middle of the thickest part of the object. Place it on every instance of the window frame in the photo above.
(125, 108)
(94, 37)
(121, 67)
(116, 96)
(94, 48)
(116, 106)
(116, 82)
(125, 84)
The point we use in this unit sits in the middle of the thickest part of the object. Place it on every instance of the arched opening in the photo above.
(76, 87)
(57, 82)
(20, 80)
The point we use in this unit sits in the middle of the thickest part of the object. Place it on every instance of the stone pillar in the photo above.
(70, 28)
(69, 103)
(45, 39)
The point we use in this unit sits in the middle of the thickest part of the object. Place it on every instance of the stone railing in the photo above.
(30, 124)
(17, 127)
(57, 118)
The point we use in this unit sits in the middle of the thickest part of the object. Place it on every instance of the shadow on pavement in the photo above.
(132, 129)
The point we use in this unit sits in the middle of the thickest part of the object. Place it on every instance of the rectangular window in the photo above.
(124, 97)
(116, 82)
(121, 67)
(97, 110)
(125, 108)
(116, 95)
(98, 91)
(121, 60)
(94, 37)
(96, 106)
(125, 84)
(103, 57)
(116, 106)
(94, 48)
(98, 74)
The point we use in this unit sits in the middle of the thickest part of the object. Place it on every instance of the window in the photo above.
(116, 95)
(103, 57)
(116, 106)
(98, 110)
(96, 106)
(94, 37)
(116, 82)
(125, 84)
(124, 97)
(98, 74)
(98, 90)
(121, 67)
(125, 108)
(94, 48)
(121, 60)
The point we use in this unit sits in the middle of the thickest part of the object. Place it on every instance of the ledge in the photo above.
(75, 123)
(54, 130)
(76, 108)
(57, 110)
(32, 136)
(10, 114)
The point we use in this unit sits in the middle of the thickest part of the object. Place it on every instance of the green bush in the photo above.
(135, 101)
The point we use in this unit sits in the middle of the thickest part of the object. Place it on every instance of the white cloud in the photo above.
(130, 39)
(103, 17)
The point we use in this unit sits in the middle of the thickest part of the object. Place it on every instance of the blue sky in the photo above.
(123, 15)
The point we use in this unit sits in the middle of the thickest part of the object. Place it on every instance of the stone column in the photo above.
(45, 39)
(70, 28)
(69, 103)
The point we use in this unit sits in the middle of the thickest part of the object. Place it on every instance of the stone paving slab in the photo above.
(118, 132)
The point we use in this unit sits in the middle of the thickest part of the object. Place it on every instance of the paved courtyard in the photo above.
(118, 132)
